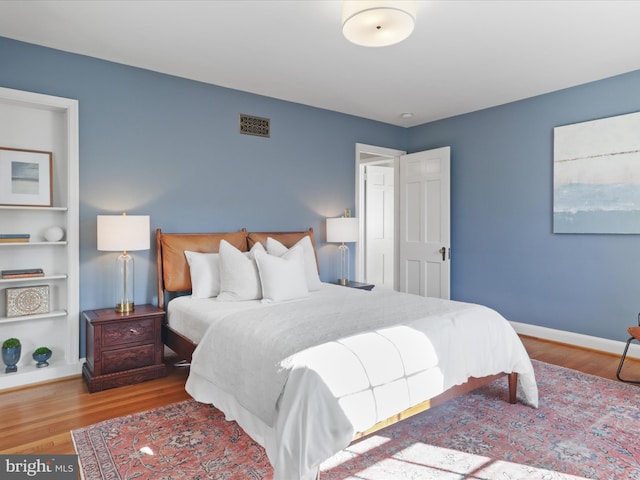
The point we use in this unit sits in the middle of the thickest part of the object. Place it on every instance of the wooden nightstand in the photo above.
(361, 286)
(123, 348)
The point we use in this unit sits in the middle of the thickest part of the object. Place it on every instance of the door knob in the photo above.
(443, 251)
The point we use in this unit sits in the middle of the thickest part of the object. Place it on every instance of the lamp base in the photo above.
(344, 265)
(124, 307)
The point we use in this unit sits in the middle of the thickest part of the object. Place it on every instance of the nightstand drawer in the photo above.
(135, 331)
(126, 359)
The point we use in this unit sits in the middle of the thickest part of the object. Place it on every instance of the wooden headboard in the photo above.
(172, 267)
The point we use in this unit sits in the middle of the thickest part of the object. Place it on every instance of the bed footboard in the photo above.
(453, 392)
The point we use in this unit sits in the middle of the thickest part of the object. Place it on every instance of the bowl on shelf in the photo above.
(41, 355)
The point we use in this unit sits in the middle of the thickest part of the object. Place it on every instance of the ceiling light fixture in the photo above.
(377, 23)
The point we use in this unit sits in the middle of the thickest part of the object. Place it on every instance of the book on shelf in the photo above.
(14, 237)
(22, 273)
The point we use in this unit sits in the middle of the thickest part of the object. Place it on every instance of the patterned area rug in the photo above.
(586, 427)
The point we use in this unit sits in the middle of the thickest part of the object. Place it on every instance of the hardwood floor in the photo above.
(38, 419)
(581, 359)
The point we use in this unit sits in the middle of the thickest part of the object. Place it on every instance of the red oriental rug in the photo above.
(586, 427)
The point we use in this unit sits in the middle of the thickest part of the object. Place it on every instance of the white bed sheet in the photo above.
(191, 316)
(379, 354)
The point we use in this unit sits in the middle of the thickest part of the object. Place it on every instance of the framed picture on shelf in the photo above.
(25, 177)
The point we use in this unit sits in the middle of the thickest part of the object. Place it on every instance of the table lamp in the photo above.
(343, 229)
(123, 233)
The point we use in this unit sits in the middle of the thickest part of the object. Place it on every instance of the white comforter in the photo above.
(302, 377)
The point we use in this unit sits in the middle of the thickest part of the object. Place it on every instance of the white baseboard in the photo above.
(578, 339)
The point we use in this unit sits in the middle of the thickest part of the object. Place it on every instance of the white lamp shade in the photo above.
(343, 229)
(119, 233)
(377, 23)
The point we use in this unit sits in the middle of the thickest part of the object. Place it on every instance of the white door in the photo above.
(379, 226)
(425, 223)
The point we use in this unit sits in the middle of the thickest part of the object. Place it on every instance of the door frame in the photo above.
(370, 155)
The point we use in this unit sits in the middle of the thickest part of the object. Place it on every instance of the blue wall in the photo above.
(169, 147)
(504, 253)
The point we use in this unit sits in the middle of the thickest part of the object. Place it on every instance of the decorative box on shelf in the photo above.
(27, 300)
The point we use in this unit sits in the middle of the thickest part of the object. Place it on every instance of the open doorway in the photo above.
(377, 207)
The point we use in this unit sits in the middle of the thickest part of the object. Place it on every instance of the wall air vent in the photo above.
(250, 125)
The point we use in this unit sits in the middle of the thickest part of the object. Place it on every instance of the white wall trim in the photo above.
(578, 339)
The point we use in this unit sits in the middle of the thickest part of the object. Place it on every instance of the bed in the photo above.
(305, 371)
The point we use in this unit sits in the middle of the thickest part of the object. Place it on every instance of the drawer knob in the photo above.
(133, 330)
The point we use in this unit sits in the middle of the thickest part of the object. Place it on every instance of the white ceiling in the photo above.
(463, 55)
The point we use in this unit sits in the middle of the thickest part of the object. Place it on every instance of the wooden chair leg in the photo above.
(624, 355)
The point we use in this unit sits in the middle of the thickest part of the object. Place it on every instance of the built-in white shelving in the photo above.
(34, 317)
(46, 278)
(34, 121)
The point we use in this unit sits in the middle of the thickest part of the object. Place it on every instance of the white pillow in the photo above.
(274, 247)
(205, 273)
(239, 278)
(282, 278)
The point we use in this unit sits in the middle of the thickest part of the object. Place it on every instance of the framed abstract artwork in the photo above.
(596, 176)
(25, 177)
